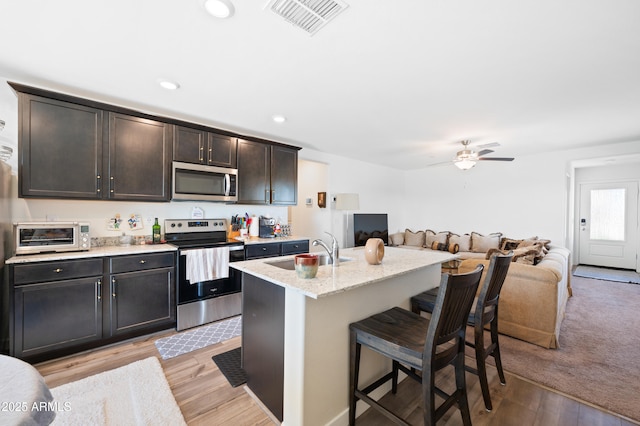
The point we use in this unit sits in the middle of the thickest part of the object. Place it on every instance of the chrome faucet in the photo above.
(334, 252)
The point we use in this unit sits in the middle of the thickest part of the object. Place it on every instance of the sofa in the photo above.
(536, 290)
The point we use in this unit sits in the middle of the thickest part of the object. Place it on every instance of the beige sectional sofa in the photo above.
(537, 287)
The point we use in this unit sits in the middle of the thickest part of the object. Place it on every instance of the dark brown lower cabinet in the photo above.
(56, 315)
(141, 299)
(63, 307)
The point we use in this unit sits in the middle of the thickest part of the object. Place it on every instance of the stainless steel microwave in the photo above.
(197, 182)
(42, 237)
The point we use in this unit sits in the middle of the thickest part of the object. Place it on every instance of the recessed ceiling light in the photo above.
(279, 118)
(169, 85)
(219, 8)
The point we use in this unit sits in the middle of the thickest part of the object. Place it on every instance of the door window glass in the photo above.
(608, 214)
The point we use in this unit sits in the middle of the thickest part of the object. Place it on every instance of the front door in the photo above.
(609, 224)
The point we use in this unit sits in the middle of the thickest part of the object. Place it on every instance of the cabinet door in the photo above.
(56, 315)
(253, 173)
(60, 149)
(222, 151)
(189, 145)
(139, 158)
(294, 247)
(256, 251)
(141, 300)
(284, 176)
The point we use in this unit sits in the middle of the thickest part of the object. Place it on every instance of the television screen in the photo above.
(370, 225)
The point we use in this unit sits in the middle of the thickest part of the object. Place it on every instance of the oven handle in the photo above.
(231, 248)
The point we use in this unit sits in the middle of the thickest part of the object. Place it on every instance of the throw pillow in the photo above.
(397, 239)
(463, 241)
(526, 255)
(413, 238)
(451, 248)
(432, 236)
(482, 243)
(509, 244)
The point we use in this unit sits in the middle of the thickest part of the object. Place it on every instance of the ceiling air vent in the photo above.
(308, 15)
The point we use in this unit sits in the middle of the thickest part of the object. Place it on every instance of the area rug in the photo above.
(136, 394)
(598, 358)
(229, 364)
(608, 274)
(187, 341)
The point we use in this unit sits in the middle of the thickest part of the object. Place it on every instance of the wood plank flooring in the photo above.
(206, 398)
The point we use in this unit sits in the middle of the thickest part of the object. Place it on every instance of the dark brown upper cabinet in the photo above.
(73, 150)
(60, 149)
(201, 147)
(139, 159)
(267, 174)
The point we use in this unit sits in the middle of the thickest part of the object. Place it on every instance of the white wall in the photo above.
(380, 190)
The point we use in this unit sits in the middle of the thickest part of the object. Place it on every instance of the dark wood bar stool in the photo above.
(417, 343)
(485, 313)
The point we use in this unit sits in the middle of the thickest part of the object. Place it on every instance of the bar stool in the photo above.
(413, 342)
(485, 313)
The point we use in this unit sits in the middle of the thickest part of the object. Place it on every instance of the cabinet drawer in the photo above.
(295, 247)
(56, 271)
(141, 262)
(254, 251)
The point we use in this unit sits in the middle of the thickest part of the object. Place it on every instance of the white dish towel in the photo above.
(206, 264)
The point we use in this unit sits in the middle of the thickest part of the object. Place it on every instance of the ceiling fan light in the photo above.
(464, 164)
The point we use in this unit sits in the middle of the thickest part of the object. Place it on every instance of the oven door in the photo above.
(193, 292)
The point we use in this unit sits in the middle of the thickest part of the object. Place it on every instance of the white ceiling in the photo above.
(398, 83)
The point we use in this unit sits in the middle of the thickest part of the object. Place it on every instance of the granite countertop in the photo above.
(93, 252)
(349, 275)
(257, 240)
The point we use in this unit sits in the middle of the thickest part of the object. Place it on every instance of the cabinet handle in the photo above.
(57, 270)
(111, 184)
(266, 196)
(143, 261)
(209, 159)
(264, 249)
(98, 179)
(113, 287)
(99, 289)
(201, 153)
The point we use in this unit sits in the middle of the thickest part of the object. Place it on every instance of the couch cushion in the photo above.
(463, 241)
(482, 243)
(414, 238)
(437, 237)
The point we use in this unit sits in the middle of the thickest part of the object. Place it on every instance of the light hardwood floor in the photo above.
(206, 398)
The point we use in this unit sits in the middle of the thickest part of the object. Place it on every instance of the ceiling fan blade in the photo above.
(484, 152)
(439, 164)
(496, 159)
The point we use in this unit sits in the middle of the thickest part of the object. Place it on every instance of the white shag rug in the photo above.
(136, 394)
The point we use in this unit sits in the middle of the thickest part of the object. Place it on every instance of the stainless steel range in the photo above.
(207, 289)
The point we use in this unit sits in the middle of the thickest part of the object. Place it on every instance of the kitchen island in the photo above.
(295, 332)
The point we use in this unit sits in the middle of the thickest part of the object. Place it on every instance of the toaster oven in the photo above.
(43, 237)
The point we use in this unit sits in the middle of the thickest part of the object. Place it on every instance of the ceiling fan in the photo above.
(467, 158)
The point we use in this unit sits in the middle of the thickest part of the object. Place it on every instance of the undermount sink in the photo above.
(290, 265)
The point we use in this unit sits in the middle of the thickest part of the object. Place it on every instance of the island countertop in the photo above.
(349, 275)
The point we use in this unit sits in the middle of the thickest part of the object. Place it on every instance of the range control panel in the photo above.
(194, 225)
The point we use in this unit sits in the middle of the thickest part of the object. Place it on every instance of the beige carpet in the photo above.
(599, 356)
(136, 394)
